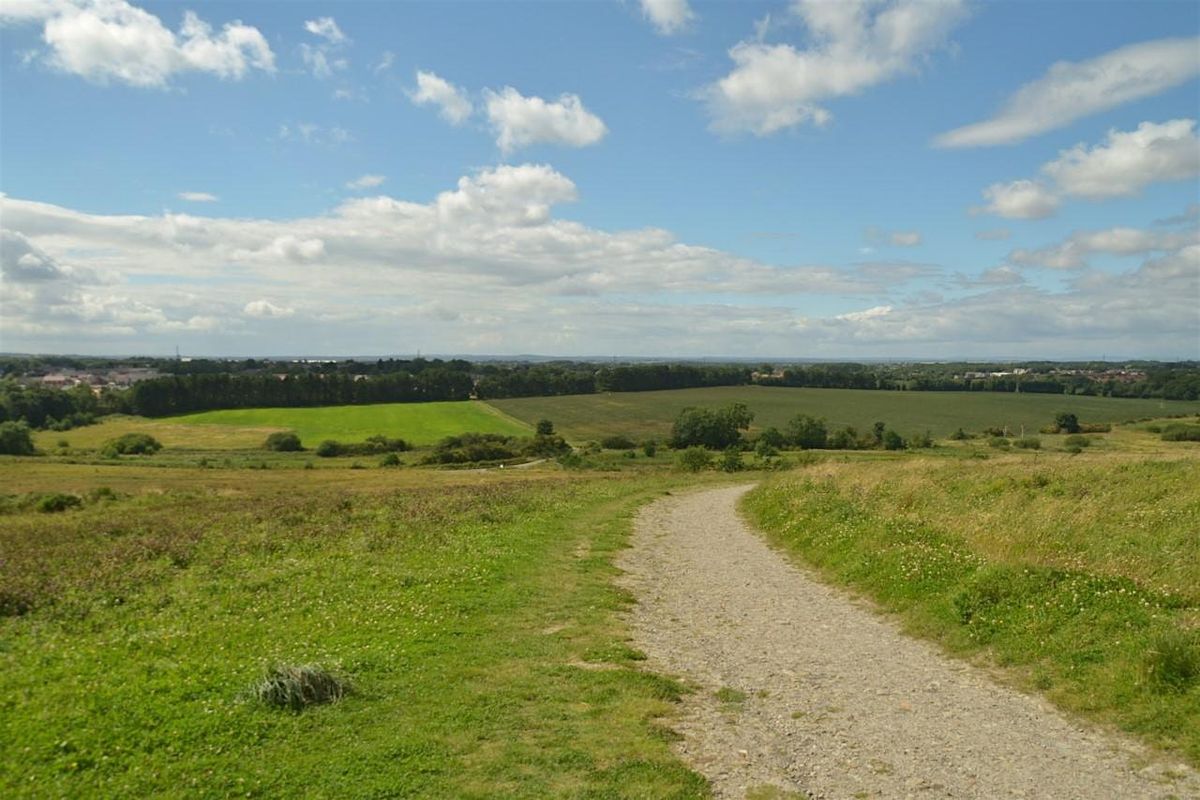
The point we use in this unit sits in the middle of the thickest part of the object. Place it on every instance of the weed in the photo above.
(295, 687)
(729, 695)
(1173, 661)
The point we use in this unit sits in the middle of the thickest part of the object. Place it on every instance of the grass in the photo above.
(641, 415)
(1080, 574)
(464, 608)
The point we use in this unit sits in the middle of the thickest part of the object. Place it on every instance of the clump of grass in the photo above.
(58, 501)
(296, 687)
(1173, 661)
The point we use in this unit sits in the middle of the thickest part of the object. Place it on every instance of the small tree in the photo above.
(715, 429)
(731, 460)
(15, 439)
(772, 437)
(693, 459)
(893, 440)
(545, 427)
(808, 433)
(650, 448)
(1066, 422)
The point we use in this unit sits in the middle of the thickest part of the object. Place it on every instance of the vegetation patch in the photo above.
(131, 444)
(298, 686)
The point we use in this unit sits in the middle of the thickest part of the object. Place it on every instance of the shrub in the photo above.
(471, 447)
(617, 442)
(921, 440)
(995, 431)
(1173, 661)
(997, 441)
(764, 449)
(372, 445)
(1177, 432)
(545, 446)
(571, 460)
(772, 437)
(731, 460)
(649, 448)
(1075, 440)
(131, 444)
(545, 427)
(329, 448)
(15, 439)
(1028, 443)
(1066, 422)
(297, 687)
(712, 428)
(1095, 427)
(893, 440)
(845, 439)
(807, 433)
(283, 442)
(693, 459)
(961, 436)
(390, 460)
(53, 503)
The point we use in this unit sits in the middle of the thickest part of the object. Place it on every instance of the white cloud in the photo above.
(993, 235)
(854, 45)
(1073, 253)
(1129, 161)
(878, 236)
(667, 16)
(385, 62)
(264, 309)
(1071, 90)
(319, 62)
(521, 121)
(326, 28)
(452, 102)
(1022, 199)
(198, 197)
(489, 265)
(111, 40)
(366, 182)
(312, 133)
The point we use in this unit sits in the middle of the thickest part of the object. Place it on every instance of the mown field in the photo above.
(650, 414)
(473, 616)
(1079, 574)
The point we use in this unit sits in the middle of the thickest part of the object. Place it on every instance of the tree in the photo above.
(15, 439)
(771, 437)
(715, 429)
(1066, 422)
(807, 433)
(545, 427)
(892, 440)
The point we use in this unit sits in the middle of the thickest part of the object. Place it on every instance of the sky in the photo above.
(927, 179)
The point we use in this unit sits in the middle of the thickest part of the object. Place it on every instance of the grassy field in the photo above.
(1081, 574)
(650, 414)
(473, 615)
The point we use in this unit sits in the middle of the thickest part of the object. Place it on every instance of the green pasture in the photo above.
(650, 414)
(417, 423)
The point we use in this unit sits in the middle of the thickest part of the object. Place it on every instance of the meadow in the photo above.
(472, 615)
(1079, 575)
(650, 414)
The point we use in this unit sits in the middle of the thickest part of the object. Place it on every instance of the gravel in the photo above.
(822, 697)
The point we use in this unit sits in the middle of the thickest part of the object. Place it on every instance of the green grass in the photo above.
(650, 414)
(416, 423)
(1080, 574)
(466, 611)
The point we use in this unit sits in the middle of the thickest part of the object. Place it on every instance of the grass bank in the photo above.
(1081, 575)
(473, 616)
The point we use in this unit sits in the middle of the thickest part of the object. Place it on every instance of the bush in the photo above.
(764, 449)
(283, 442)
(807, 433)
(1028, 443)
(545, 427)
(693, 459)
(712, 428)
(571, 460)
(617, 442)
(845, 439)
(731, 460)
(649, 448)
(1173, 661)
(921, 440)
(1066, 422)
(329, 448)
(995, 431)
(1075, 440)
(1177, 432)
(997, 441)
(53, 503)
(772, 437)
(15, 439)
(545, 446)
(390, 460)
(893, 440)
(961, 436)
(131, 444)
(371, 446)
(472, 447)
(1095, 427)
(297, 687)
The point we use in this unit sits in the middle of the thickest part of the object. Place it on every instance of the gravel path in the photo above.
(807, 691)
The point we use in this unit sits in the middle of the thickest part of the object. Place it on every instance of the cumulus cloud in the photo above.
(112, 40)
(1023, 199)
(1129, 161)
(1123, 166)
(1071, 90)
(1073, 253)
(520, 121)
(452, 102)
(366, 182)
(264, 309)
(854, 45)
(667, 16)
(198, 197)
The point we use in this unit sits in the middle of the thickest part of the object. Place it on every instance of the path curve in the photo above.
(838, 703)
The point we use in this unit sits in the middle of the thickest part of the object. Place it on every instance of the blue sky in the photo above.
(888, 178)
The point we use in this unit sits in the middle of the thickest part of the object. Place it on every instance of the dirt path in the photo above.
(820, 696)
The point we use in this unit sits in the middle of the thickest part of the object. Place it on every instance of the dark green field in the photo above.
(650, 414)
